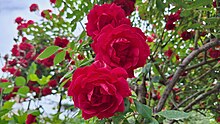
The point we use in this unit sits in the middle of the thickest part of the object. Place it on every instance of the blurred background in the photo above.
(9, 10)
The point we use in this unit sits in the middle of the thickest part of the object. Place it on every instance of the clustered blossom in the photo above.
(34, 7)
(171, 19)
(99, 89)
(61, 42)
(31, 119)
(186, 35)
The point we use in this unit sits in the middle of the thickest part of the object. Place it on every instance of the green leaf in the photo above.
(32, 68)
(160, 5)
(154, 121)
(44, 80)
(59, 57)
(127, 105)
(34, 112)
(173, 114)
(143, 110)
(48, 52)
(8, 105)
(4, 84)
(23, 91)
(3, 112)
(20, 81)
(199, 3)
(33, 77)
(8, 90)
(58, 3)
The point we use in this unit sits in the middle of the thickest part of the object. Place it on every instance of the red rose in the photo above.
(18, 20)
(61, 42)
(170, 25)
(53, 1)
(22, 26)
(33, 7)
(123, 46)
(3, 80)
(46, 91)
(30, 22)
(46, 13)
(25, 46)
(30, 119)
(214, 53)
(215, 4)
(52, 83)
(186, 35)
(12, 62)
(100, 16)
(168, 53)
(126, 5)
(99, 91)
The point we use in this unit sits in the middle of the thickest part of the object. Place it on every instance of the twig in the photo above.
(159, 71)
(187, 99)
(201, 64)
(180, 69)
(203, 96)
(142, 90)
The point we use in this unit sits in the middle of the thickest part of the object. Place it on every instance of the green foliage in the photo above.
(48, 52)
(20, 81)
(173, 114)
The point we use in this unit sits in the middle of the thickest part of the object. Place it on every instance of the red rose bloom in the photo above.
(30, 119)
(25, 46)
(61, 42)
(214, 4)
(186, 35)
(123, 46)
(22, 26)
(18, 20)
(52, 83)
(30, 22)
(12, 62)
(170, 25)
(46, 91)
(53, 1)
(126, 5)
(46, 13)
(3, 80)
(33, 7)
(15, 51)
(214, 53)
(100, 16)
(168, 53)
(99, 91)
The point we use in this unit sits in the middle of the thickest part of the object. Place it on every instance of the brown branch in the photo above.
(187, 99)
(171, 83)
(142, 90)
(203, 96)
(159, 71)
(201, 64)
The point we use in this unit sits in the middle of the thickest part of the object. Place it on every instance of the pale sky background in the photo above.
(9, 10)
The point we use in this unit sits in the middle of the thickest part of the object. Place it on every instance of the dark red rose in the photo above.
(186, 35)
(12, 62)
(61, 42)
(214, 53)
(15, 51)
(170, 25)
(126, 5)
(100, 16)
(99, 91)
(174, 17)
(52, 83)
(123, 46)
(214, 4)
(25, 46)
(33, 7)
(168, 53)
(18, 20)
(80, 57)
(53, 1)
(30, 22)
(218, 119)
(3, 80)
(46, 13)
(46, 91)
(30, 119)
(22, 26)
(150, 39)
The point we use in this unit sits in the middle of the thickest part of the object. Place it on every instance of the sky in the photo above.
(9, 10)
